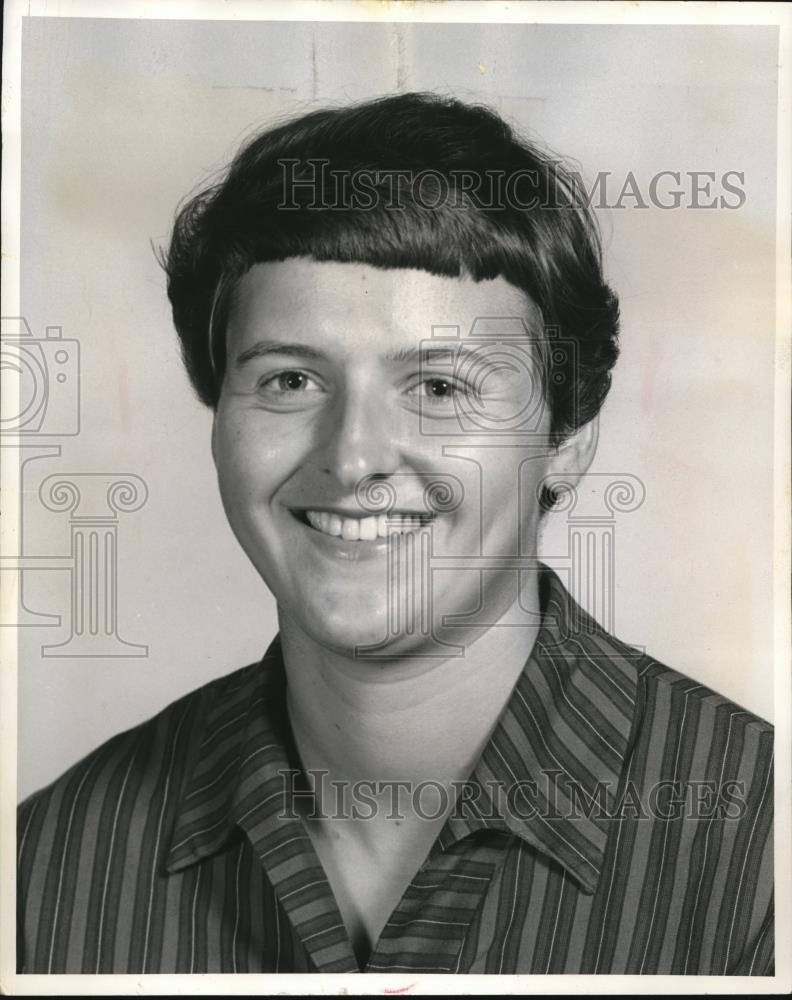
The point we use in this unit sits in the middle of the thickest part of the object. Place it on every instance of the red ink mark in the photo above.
(401, 989)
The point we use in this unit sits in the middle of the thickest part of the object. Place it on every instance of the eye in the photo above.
(439, 388)
(442, 392)
(436, 390)
(292, 381)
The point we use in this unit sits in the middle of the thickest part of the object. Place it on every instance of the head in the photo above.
(376, 224)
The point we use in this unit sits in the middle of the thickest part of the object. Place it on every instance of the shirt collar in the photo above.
(241, 782)
(549, 774)
(244, 744)
(552, 770)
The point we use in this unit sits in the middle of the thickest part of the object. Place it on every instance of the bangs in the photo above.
(413, 181)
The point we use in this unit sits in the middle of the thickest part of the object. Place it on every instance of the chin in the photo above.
(369, 641)
(345, 627)
(351, 642)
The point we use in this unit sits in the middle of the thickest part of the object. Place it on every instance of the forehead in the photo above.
(357, 304)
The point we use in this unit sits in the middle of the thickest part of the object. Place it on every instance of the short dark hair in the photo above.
(287, 194)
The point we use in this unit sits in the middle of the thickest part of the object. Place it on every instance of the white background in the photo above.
(122, 118)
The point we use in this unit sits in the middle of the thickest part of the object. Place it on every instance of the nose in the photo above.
(358, 439)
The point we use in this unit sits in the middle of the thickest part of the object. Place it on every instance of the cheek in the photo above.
(233, 458)
(509, 489)
(241, 474)
(244, 452)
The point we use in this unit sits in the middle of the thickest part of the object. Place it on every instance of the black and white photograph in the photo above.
(395, 470)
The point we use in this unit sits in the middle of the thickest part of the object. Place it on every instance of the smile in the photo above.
(365, 529)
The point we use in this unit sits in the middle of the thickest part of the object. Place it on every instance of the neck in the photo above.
(411, 719)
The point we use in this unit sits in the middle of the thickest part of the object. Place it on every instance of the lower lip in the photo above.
(352, 551)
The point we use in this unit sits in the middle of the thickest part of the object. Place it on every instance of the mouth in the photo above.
(368, 528)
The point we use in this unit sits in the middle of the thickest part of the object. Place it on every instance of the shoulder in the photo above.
(711, 756)
(666, 700)
(144, 767)
(96, 840)
(682, 732)
(573, 635)
(703, 768)
(685, 705)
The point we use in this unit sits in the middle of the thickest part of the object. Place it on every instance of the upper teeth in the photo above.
(364, 528)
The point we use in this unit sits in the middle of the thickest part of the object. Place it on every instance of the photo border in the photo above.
(450, 11)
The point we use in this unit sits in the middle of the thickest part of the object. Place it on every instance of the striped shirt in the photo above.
(619, 820)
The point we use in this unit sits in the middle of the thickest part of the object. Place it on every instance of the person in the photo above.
(397, 312)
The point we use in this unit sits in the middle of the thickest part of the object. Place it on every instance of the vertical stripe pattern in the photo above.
(618, 821)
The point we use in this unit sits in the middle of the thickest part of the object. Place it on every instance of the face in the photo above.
(352, 455)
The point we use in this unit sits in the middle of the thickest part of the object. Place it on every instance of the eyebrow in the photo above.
(266, 347)
(422, 355)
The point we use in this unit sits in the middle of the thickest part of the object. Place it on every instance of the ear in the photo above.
(575, 454)
(213, 439)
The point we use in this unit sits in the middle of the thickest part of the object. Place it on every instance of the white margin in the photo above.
(520, 11)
